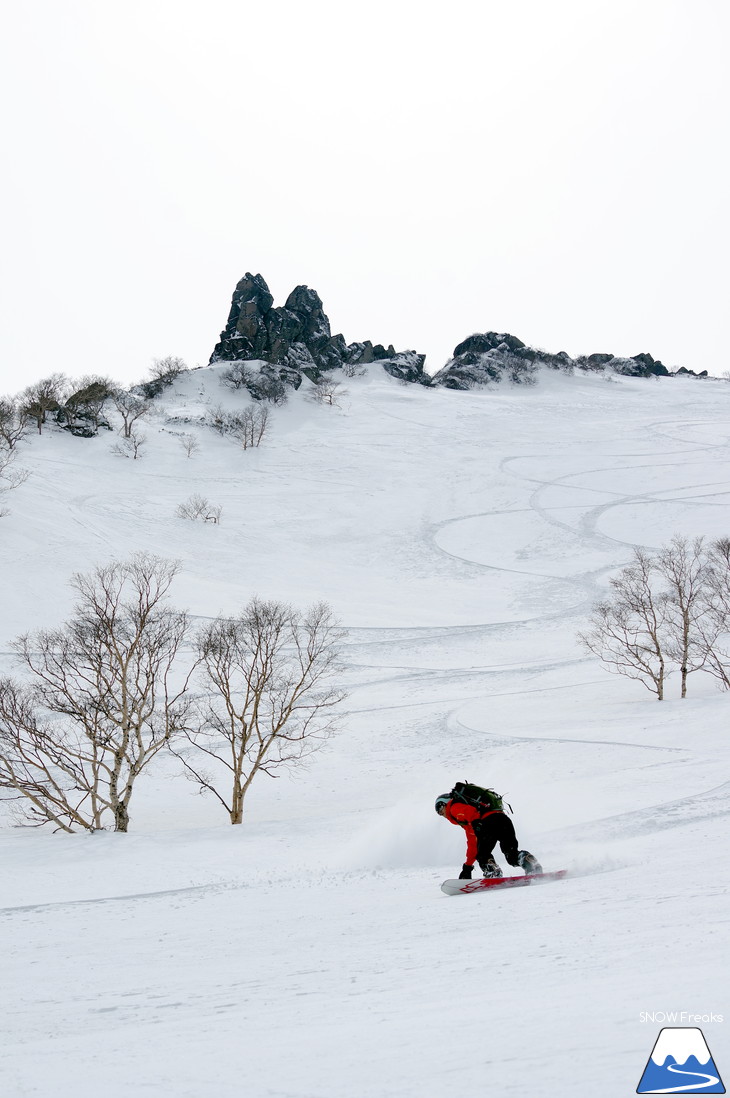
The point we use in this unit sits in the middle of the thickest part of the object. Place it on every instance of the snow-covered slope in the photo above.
(461, 538)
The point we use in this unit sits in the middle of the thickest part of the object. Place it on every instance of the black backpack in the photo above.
(486, 800)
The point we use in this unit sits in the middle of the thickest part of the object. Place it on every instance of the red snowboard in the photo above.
(463, 888)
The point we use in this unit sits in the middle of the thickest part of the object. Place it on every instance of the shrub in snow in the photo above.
(353, 369)
(271, 389)
(163, 372)
(197, 507)
(130, 446)
(327, 391)
(249, 426)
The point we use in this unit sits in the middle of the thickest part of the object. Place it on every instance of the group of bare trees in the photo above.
(74, 404)
(124, 679)
(668, 611)
(84, 400)
(80, 407)
(248, 427)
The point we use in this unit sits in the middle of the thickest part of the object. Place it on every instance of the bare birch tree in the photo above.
(272, 696)
(628, 631)
(683, 566)
(714, 621)
(250, 425)
(97, 702)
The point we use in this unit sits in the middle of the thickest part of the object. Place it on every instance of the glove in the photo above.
(466, 872)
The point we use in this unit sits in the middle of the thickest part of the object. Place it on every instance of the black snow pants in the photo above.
(497, 828)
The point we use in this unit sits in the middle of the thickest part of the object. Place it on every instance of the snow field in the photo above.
(461, 538)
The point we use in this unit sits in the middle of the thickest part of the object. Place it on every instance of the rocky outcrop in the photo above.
(491, 357)
(406, 366)
(295, 340)
(639, 366)
(488, 358)
(684, 372)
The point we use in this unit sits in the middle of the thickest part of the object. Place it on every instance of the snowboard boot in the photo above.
(528, 862)
(490, 868)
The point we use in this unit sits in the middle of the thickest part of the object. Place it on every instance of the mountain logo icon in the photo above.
(680, 1063)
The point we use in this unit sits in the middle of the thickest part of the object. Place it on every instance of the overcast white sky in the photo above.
(555, 169)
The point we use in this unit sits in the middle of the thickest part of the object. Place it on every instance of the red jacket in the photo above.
(466, 815)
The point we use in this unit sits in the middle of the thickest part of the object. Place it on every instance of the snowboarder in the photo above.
(485, 824)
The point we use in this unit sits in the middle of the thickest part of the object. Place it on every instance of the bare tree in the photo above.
(327, 391)
(167, 369)
(249, 426)
(131, 445)
(190, 445)
(714, 621)
(271, 678)
(9, 478)
(43, 774)
(218, 419)
(43, 397)
(198, 507)
(97, 705)
(130, 408)
(270, 388)
(13, 422)
(237, 376)
(683, 566)
(353, 369)
(628, 632)
(262, 384)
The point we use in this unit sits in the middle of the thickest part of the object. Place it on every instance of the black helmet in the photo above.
(441, 803)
